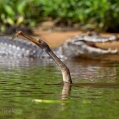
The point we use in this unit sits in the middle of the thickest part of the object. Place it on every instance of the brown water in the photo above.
(29, 89)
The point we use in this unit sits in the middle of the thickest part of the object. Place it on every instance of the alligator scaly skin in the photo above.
(19, 48)
(93, 37)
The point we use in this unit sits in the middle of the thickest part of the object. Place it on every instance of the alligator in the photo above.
(85, 45)
(81, 45)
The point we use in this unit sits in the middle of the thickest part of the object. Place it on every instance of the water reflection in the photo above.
(95, 90)
(67, 87)
(20, 62)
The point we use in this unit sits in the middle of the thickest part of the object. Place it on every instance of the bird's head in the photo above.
(38, 42)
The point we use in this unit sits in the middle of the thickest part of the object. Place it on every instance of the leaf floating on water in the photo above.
(86, 102)
(49, 101)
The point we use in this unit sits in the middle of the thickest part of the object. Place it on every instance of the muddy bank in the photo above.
(55, 38)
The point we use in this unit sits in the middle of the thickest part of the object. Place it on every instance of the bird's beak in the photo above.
(34, 40)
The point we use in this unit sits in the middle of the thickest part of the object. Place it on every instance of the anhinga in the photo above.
(64, 69)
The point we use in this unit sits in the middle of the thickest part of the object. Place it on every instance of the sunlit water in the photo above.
(95, 94)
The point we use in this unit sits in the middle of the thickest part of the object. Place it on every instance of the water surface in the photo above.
(95, 93)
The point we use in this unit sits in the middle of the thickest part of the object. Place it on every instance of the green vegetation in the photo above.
(94, 14)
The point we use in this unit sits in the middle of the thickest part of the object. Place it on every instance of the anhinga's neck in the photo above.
(64, 69)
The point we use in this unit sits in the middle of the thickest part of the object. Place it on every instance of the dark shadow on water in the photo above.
(96, 85)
